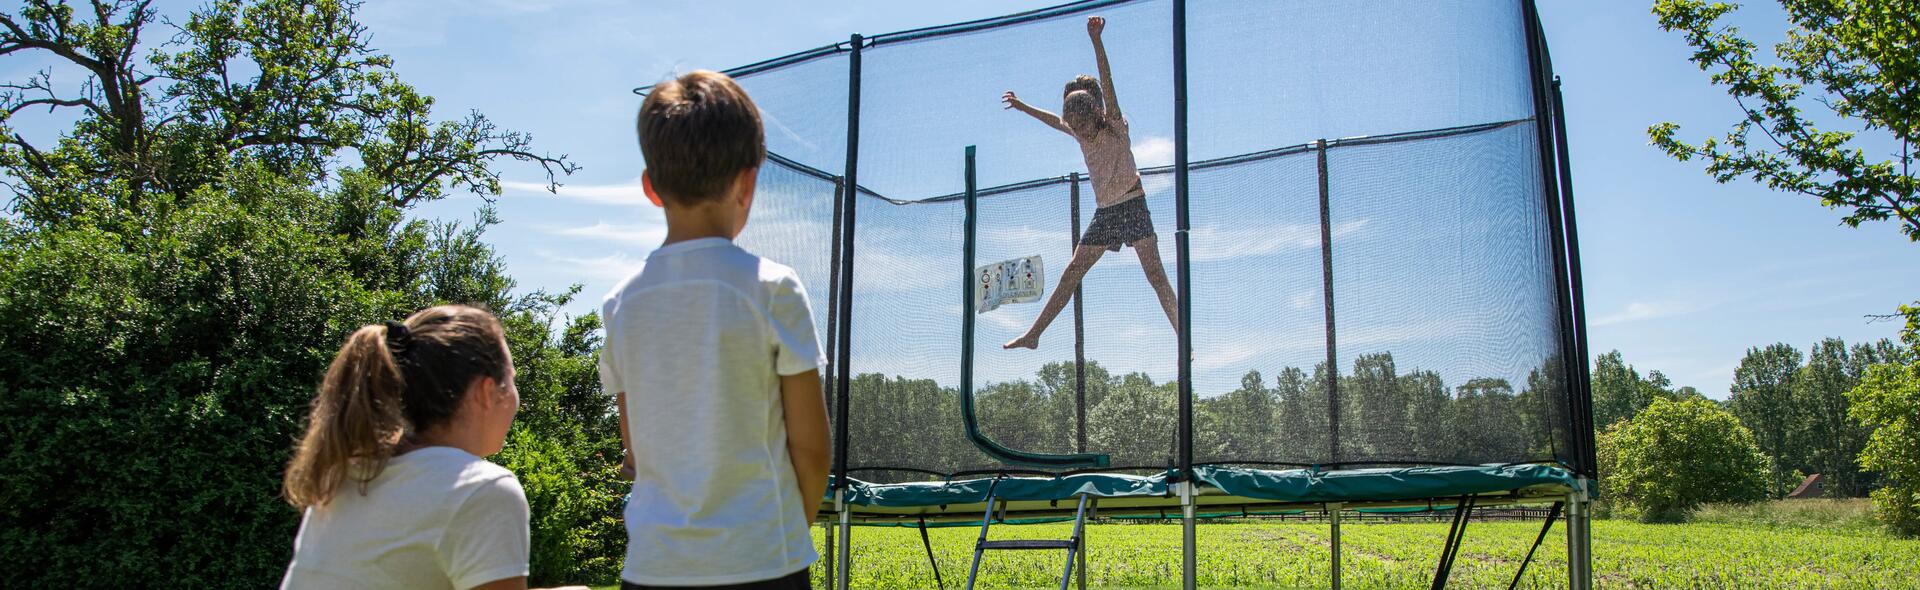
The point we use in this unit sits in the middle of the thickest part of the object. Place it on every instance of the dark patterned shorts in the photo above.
(1120, 224)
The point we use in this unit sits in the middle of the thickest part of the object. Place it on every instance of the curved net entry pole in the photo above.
(969, 284)
(844, 336)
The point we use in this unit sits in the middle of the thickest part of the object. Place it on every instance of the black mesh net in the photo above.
(1434, 245)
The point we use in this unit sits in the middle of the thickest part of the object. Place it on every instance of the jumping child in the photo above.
(1091, 114)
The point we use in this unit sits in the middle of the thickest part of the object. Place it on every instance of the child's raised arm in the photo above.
(1052, 120)
(1095, 25)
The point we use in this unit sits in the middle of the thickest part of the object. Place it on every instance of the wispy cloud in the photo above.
(1229, 243)
(625, 193)
(645, 234)
(612, 267)
(1646, 310)
(1153, 151)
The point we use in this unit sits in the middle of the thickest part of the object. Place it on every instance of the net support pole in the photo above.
(1079, 327)
(1189, 561)
(1326, 298)
(844, 336)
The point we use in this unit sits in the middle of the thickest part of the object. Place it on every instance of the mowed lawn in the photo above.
(1737, 552)
(1295, 555)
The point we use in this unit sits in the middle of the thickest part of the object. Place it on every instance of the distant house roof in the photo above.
(1813, 486)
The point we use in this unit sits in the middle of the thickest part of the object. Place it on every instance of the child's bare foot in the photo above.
(1028, 341)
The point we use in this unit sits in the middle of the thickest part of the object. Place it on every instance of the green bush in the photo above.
(1888, 402)
(178, 268)
(1677, 455)
(575, 500)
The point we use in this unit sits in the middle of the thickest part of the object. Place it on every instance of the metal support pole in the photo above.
(1333, 518)
(846, 539)
(1188, 573)
(1579, 539)
(830, 558)
(1093, 504)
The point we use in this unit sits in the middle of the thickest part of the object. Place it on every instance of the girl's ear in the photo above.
(646, 186)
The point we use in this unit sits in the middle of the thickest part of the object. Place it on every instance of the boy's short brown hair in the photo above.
(697, 132)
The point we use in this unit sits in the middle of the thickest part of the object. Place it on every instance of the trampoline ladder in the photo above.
(1073, 545)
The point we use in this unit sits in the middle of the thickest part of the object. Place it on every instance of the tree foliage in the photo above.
(178, 267)
(1851, 62)
(1762, 397)
(1676, 455)
(1888, 401)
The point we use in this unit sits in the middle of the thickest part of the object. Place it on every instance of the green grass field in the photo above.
(1807, 546)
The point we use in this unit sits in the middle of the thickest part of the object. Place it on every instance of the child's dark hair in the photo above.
(1081, 101)
(697, 133)
(1082, 82)
(389, 382)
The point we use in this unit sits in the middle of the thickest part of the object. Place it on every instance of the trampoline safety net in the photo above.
(1376, 269)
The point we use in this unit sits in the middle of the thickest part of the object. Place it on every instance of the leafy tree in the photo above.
(1825, 438)
(1853, 61)
(1482, 421)
(1136, 423)
(1676, 455)
(1888, 401)
(1240, 422)
(1301, 415)
(1373, 422)
(179, 266)
(1619, 392)
(1763, 400)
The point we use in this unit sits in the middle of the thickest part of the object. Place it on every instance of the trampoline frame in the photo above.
(1182, 489)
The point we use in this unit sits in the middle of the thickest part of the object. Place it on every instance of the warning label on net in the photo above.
(1020, 280)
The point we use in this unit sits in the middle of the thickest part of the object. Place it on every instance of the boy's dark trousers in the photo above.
(799, 580)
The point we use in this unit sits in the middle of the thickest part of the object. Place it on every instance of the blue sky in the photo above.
(1682, 274)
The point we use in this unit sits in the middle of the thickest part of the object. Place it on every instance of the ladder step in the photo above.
(1026, 544)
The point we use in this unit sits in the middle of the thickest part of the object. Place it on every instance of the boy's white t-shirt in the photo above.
(435, 517)
(698, 340)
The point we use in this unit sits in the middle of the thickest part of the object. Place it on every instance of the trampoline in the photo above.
(1365, 212)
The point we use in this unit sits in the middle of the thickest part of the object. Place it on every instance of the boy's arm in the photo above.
(1052, 120)
(809, 443)
(1095, 25)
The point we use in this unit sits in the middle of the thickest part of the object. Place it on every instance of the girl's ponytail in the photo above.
(358, 419)
(388, 383)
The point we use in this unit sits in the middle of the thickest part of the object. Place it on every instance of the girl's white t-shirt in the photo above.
(436, 517)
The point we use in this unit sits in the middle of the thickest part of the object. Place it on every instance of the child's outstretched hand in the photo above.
(1095, 25)
(1013, 102)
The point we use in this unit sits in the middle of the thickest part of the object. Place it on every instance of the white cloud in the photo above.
(626, 193)
(1642, 310)
(1153, 151)
(1214, 243)
(645, 234)
(612, 267)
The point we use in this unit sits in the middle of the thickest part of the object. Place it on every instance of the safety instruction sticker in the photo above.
(1020, 280)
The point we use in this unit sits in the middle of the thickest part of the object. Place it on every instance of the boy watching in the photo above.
(712, 356)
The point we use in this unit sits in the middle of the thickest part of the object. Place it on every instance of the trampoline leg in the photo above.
(1093, 505)
(828, 562)
(845, 553)
(1188, 574)
(1579, 540)
(1333, 518)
